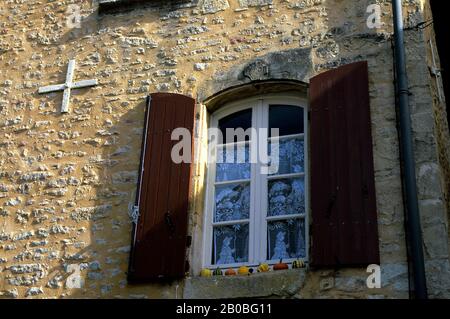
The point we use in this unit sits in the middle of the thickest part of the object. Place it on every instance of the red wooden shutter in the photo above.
(160, 236)
(344, 215)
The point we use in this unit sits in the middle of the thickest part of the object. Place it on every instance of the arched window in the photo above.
(257, 207)
(253, 214)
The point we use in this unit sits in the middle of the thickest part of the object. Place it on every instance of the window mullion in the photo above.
(255, 186)
(253, 192)
(263, 185)
(259, 180)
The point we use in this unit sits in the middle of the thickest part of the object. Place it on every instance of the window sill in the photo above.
(271, 263)
(282, 283)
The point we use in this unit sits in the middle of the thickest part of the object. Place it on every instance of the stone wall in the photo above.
(436, 207)
(66, 180)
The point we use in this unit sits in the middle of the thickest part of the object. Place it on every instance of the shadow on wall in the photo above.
(104, 262)
(100, 17)
(100, 212)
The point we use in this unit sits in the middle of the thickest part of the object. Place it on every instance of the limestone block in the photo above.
(282, 283)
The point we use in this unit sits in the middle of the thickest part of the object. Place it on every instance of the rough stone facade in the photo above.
(67, 180)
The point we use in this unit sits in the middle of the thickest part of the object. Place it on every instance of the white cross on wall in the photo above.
(68, 86)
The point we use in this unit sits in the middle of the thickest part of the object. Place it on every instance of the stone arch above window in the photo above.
(281, 71)
(255, 88)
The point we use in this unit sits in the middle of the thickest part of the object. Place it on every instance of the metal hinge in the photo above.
(134, 214)
(435, 71)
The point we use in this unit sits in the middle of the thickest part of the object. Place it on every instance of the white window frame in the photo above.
(258, 183)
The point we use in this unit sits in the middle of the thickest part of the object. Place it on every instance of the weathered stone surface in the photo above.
(26, 268)
(432, 238)
(326, 283)
(91, 213)
(34, 176)
(33, 291)
(436, 277)
(350, 284)
(213, 6)
(11, 293)
(393, 274)
(125, 177)
(55, 282)
(272, 284)
(429, 182)
(254, 3)
(295, 64)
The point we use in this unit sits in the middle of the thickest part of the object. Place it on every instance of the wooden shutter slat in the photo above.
(334, 173)
(147, 205)
(368, 176)
(178, 186)
(324, 202)
(164, 190)
(344, 218)
(159, 251)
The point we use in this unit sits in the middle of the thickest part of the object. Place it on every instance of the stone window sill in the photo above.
(283, 283)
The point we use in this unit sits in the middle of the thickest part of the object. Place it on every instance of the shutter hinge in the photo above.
(435, 71)
(134, 214)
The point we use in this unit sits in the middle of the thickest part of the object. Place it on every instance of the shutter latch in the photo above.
(169, 222)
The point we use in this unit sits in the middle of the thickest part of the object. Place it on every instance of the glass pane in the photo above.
(291, 156)
(232, 202)
(230, 244)
(286, 239)
(286, 197)
(233, 162)
(241, 119)
(287, 118)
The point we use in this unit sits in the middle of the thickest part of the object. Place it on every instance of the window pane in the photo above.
(286, 197)
(286, 239)
(230, 244)
(232, 202)
(287, 118)
(241, 119)
(233, 162)
(291, 156)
